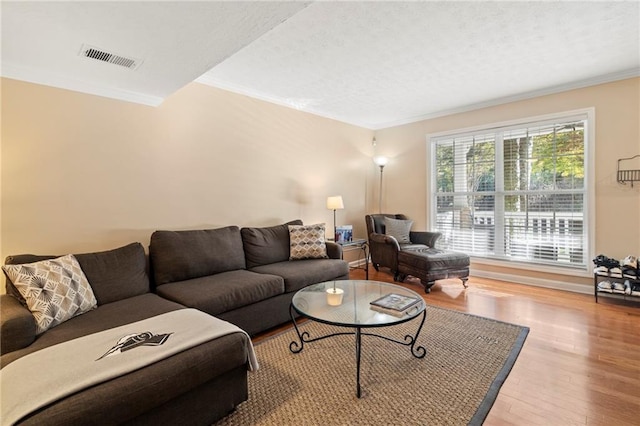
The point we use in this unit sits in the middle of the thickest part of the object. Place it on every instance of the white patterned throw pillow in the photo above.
(399, 229)
(307, 242)
(55, 290)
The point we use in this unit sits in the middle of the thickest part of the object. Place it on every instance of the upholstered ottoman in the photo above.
(431, 264)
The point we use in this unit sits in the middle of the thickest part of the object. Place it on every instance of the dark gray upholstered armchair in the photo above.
(384, 248)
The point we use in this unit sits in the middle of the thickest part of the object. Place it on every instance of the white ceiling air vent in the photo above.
(98, 54)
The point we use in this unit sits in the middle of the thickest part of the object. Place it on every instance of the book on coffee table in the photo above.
(394, 304)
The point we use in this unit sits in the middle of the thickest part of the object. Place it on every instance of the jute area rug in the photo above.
(468, 358)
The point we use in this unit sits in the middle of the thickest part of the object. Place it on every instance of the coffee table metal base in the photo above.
(304, 337)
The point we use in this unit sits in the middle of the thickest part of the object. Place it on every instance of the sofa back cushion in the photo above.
(113, 274)
(116, 274)
(263, 246)
(183, 255)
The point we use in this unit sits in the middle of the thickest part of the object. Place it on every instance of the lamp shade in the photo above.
(381, 161)
(335, 202)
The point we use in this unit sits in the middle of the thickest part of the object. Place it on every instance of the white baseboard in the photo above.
(357, 263)
(537, 282)
(518, 279)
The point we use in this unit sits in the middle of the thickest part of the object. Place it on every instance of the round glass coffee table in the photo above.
(318, 303)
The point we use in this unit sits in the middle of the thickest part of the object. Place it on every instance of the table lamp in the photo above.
(335, 203)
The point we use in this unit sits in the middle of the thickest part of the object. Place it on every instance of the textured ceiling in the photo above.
(379, 64)
(374, 64)
(176, 41)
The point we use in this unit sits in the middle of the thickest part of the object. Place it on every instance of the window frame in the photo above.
(589, 219)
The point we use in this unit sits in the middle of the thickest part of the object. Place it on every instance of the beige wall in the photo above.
(83, 173)
(617, 112)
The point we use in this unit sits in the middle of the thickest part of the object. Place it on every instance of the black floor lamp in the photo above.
(380, 162)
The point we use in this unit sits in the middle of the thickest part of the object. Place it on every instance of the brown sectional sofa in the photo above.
(241, 276)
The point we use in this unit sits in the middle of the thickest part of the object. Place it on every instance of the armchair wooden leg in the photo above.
(464, 281)
(376, 266)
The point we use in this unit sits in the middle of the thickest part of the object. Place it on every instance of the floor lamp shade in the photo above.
(381, 161)
(335, 203)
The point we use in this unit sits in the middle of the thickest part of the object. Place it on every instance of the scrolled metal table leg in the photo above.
(417, 351)
(294, 346)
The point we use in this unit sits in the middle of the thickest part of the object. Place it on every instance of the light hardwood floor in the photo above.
(580, 364)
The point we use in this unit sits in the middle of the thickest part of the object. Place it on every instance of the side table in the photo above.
(358, 244)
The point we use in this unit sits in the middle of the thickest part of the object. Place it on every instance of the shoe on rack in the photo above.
(619, 288)
(603, 270)
(605, 286)
(629, 272)
(602, 260)
(630, 261)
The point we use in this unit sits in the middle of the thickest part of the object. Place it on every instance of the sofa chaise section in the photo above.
(202, 383)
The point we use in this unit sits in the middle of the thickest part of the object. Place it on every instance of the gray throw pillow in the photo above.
(399, 229)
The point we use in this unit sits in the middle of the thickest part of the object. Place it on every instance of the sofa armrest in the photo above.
(17, 325)
(334, 250)
(426, 238)
(384, 239)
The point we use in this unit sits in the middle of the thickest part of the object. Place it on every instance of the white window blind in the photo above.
(513, 193)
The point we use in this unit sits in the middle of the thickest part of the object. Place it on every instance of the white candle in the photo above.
(334, 296)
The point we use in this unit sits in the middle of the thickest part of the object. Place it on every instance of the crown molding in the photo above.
(241, 90)
(38, 77)
(607, 78)
(35, 76)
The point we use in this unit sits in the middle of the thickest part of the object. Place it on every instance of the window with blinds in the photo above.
(513, 193)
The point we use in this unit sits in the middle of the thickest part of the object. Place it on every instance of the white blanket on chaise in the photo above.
(50, 374)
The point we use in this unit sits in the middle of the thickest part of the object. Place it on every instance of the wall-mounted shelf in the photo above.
(628, 175)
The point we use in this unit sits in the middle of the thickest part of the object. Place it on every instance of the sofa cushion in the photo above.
(113, 274)
(219, 293)
(307, 242)
(184, 255)
(55, 290)
(267, 245)
(302, 273)
(116, 274)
